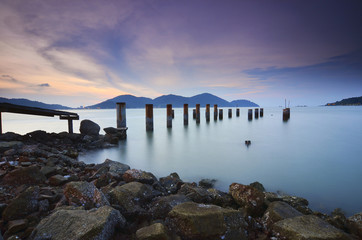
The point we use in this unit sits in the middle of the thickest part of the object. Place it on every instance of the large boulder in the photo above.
(24, 175)
(220, 198)
(195, 193)
(355, 224)
(308, 227)
(161, 206)
(79, 224)
(171, 183)
(156, 231)
(200, 221)
(134, 175)
(299, 203)
(90, 128)
(84, 194)
(113, 167)
(10, 145)
(248, 197)
(279, 211)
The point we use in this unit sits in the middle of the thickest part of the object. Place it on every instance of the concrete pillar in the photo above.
(197, 113)
(230, 113)
(238, 112)
(149, 117)
(250, 114)
(215, 112)
(186, 114)
(169, 115)
(221, 114)
(121, 114)
(207, 113)
(256, 113)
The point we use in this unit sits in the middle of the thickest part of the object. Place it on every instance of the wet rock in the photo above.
(171, 183)
(161, 206)
(308, 227)
(57, 180)
(23, 205)
(17, 226)
(355, 224)
(258, 186)
(200, 221)
(84, 194)
(110, 130)
(249, 198)
(134, 175)
(10, 136)
(195, 193)
(156, 231)
(221, 199)
(24, 175)
(279, 211)
(88, 127)
(338, 219)
(4, 146)
(79, 224)
(207, 183)
(114, 167)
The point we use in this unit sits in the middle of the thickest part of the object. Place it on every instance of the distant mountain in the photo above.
(175, 100)
(29, 103)
(355, 101)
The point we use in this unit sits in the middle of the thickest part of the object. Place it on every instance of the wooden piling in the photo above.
(221, 114)
(256, 113)
(169, 115)
(207, 113)
(149, 117)
(261, 112)
(286, 114)
(121, 114)
(70, 125)
(250, 114)
(230, 113)
(173, 114)
(194, 113)
(1, 126)
(197, 113)
(186, 114)
(215, 112)
(238, 112)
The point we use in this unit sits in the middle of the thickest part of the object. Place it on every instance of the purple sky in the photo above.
(83, 52)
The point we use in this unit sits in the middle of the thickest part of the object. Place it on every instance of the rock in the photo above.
(161, 206)
(200, 221)
(220, 198)
(57, 180)
(23, 205)
(24, 175)
(79, 224)
(207, 183)
(196, 194)
(48, 171)
(4, 146)
(308, 227)
(134, 175)
(156, 231)
(88, 127)
(114, 167)
(17, 226)
(110, 130)
(10, 136)
(249, 198)
(171, 183)
(279, 211)
(258, 186)
(300, 204)
(84, 194)
(355, 224)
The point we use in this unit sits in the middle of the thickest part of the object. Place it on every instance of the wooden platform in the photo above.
(63, 115)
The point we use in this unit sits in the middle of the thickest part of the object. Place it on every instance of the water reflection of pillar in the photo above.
(207, 113)
(230, 114)
(256, 113)
(169, 115)
(221, 114)
(149, 117)
(186, 114)
(250, 114)
(197, 113)
(238, 112)
(121, 114)
(215, 112)
(261, 112)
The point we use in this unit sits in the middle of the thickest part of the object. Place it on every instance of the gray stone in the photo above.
(207, 183)
(17, 226)
(171, 183)
(114, 167)
(88, 127)
(156, 231)
(258, 186)
(279, 211)
(93, 224)
(195, 193)
(24, 175)
(161, 206)
(57, 180)
(135, 175)
(355, 223)
(4, 146)
(308, 227)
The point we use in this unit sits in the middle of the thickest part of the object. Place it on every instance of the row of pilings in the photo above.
(218, 113)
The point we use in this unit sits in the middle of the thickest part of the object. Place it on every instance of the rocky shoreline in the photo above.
(46, 193)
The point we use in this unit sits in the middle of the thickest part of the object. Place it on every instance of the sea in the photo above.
(316, 155)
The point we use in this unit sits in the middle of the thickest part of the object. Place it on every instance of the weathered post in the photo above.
(261, 112)
(250, 114)
(121, 114)
(238, 112)
(256, 113)
(230, 114)
(207, 113)
(173, 114)
(169, 115)
(186, 114)
(194, 113)
(215, 112)
(286, 114)
(70, 125)
(197, 113)
(1, 126)
(221, 114)
(149, 117)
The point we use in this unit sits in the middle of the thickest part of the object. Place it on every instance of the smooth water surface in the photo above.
(317, 154)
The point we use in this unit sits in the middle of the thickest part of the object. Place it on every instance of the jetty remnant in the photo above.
(215, 112)
(221, 114)
(256, 113)
(149, 117)
(197, 113)
(207, 113)
(250, 114)
(121, 115)
(230, 114)
(238, 112)
(169, 115)
(193, 113)
(286, 114)
(261, 112)
(186, 114)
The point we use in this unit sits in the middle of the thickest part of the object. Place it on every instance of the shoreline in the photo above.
(40, 175)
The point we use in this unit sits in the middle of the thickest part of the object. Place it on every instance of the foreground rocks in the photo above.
(45, 193)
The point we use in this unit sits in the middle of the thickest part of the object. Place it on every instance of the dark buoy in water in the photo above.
(247, 143)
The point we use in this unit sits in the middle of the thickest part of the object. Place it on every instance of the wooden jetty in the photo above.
(13, 108)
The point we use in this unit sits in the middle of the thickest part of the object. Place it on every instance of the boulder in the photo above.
(113, 167)
(90, 128)
(48, 171)
(249, 198)
(200, 221)
(195, 193)
(171, 183)
(161, 206)
(220, 198)
(279, 211)
(84, 194)
(57, 180)
(156, 231)
(4, 146)
(134, 175)
(79, 224)
(23, 205)
(207, 183)
(17, 226)
(301, 204)
(24, 175)
(10, 136)
(258, 186)
(308, 227)
(355, 224)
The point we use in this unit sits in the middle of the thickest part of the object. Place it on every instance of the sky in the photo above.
(81, 52)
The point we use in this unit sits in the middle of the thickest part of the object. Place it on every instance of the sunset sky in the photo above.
(84, 52)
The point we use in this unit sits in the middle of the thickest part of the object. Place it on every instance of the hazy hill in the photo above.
(347, 102)
(29, 103)
(175, 100)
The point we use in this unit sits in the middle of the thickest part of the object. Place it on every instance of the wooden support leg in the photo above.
(1, 128)
(70, 125)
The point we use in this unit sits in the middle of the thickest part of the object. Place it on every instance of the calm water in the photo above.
(316, 155)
